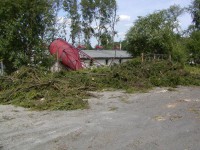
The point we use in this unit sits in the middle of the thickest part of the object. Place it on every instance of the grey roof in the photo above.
(107, 53)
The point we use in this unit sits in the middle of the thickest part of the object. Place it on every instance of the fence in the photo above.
(155, 57)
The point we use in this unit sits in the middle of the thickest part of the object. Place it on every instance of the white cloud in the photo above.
(124, 18)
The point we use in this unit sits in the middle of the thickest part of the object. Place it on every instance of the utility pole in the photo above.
(120, 44)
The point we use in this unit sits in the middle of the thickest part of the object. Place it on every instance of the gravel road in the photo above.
(162, 119)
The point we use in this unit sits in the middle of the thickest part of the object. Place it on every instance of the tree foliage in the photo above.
(92, 18)
(105, 18)
(24, 25)
(195, 12)
(87, 9)
(114, 19)
(155, 33)
(72, 7)
(193, 46)
(193, 32)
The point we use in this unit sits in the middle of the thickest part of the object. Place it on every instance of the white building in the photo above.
(105, 57)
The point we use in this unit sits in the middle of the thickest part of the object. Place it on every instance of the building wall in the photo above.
(106, 62)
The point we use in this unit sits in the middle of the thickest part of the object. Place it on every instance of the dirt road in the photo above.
(161, 119)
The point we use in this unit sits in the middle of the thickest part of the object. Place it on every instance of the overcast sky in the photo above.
(128, 10)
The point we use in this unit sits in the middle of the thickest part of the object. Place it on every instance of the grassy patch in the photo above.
(193, 69)
(39, 89)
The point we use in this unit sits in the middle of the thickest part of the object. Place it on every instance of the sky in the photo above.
(129, 10)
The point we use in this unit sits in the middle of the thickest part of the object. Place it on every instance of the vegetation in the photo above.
(25, 26)
(192, 42)
(92, 18)
(193, 47)
(71, 6)
(160, 33)
(154, 33)
(41, 90)
(195, 11)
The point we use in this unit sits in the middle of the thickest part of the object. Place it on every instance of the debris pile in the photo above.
(40, 89)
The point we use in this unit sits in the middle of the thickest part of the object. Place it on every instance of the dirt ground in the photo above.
(162, 119)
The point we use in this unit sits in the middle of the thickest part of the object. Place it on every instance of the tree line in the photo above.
(27, 27)
(92, 18)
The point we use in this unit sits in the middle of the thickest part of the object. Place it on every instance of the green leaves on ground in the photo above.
(39, 89)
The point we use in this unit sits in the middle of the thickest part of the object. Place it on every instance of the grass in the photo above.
(193, 69)
(42, 90)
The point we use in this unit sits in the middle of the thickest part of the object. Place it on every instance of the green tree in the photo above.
(193, 47)
(24, 26)
(72, 9)
(114, 18)
(154, 33)
(87, 9)
(106, 41)
(91, 18)
(195, 12)
(193, 33)
(105, 17)
(124, 45)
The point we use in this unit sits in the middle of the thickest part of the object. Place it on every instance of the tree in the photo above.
(106, 41)
(105, 17)
(92, 18)
(113, 19)
(87, 9)
(72, 9)
(195, 12)
(193, 33)
(193, 47)
(154, 33)
(23, 27)
(124, 45)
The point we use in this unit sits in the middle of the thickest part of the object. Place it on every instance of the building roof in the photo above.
(107, 53)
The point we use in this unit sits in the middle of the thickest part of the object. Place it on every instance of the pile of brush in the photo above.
(40, 89)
